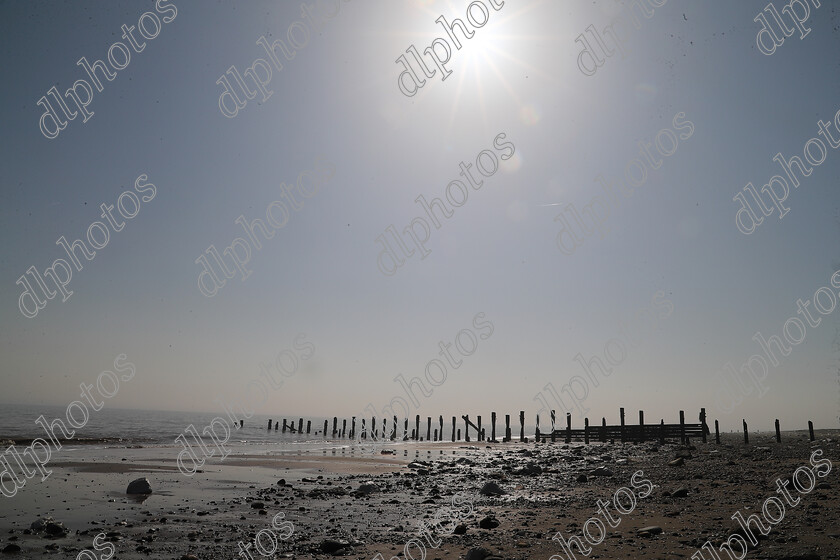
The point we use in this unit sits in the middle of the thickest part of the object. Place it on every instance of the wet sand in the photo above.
(207, 514)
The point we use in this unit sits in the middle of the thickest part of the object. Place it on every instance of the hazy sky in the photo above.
(338, 100)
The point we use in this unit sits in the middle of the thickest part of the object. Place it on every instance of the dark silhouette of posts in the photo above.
(453, 429)
(585, 431)
(416, 427)
(384, 429)
(478, 423)
(394, 434)
(300, 425)
(703, 423)
(553, 429)
(373, 428)
(284, 425)
(493, 427)
(537, 432)
(553, 421)
(811, 430)
(308, 426)
(641, 425)
(507, 427)
(428, 428)
(364, 432)
(746, 434)
(352, 427)
(621, 413)
(568, 427)
(603, 430)
(682, 427)
(436, 434)
(717, 432)
(521, 425)
(662, 431)
(778, 433)
(405, 430)
(467, 427)
(269, 423)
(343, 427)
(326, 425)
(335, 425)
(459, 434)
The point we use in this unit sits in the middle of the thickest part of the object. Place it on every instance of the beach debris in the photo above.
(460, 529)
(582, 478)
(330, 546)
(649, 531)
(684, 453)
(258, 505)
(139, 486)
(387, 452)
(11, 548)
(678, 462)
(281, 482)
(489, 522)
(39, 524)
(602, 471)
(55, 529)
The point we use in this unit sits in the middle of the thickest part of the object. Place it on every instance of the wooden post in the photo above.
(466, 427)
(493, 428)
(703, 422)
(373, 427)
(440, 422)
(269, 423)
(662, 431)
(717, 433)
(586, 431)
(352, 428)
(335, 425)
(568, 427)
(428, 427)
(641, 425)
(308, 426)
(603, 430)
(300, 425)
(521, 425)
(553, 420)
(326, 425)
(507, 427)
(364, 432)
(480, 434)
(416, 427)
(682, 427)
(405, 430)
(459, 434)
(435, 434)
(394, 434)
(453, 430)
(384, 429)
(621, 412)
(537, 432)
(284, 425)
(811, 430)
(778, 433)
(746, 434)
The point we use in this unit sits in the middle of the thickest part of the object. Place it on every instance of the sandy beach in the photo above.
(547, 488)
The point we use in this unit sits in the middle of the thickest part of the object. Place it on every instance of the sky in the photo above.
(338, 152)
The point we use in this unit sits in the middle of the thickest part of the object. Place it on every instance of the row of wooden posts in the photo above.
(623, 432)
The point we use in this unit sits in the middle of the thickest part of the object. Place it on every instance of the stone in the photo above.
(367, 488)
(647, 531)
(11, 548)
(491, 489)
(602, 471)
(680, 493)
(488, 522)
(139, 486)
(55, 529)
(479, 553)
(582, 478)
(678, 462)
(257, 505)
(330, 546)
(460, 529)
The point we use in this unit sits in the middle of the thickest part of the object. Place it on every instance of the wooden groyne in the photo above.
(623, 431)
